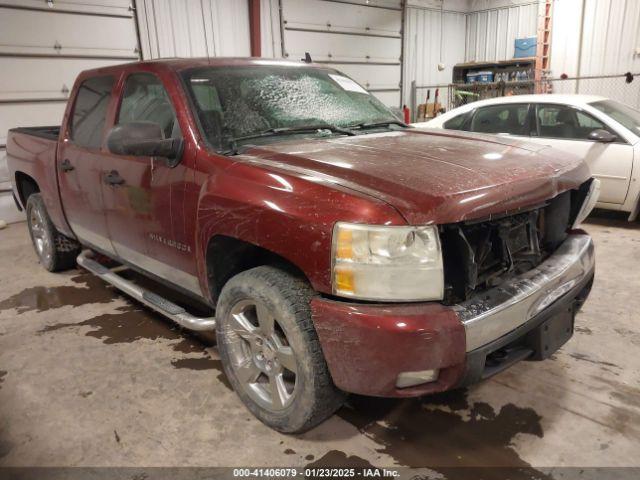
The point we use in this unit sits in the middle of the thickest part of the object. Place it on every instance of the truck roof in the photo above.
(185, 63)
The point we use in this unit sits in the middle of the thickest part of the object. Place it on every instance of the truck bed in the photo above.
(31, 161)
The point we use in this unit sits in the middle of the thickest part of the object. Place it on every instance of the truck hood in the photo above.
(433, 176)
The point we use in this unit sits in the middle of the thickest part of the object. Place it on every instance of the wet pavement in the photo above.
(89, 378)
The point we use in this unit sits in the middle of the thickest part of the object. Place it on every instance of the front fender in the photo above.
(290, 215)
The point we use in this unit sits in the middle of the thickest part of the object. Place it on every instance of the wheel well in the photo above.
(228, 256)
(26, 186)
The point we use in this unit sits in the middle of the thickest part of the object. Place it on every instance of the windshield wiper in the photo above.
(288, 130)
(386, 123)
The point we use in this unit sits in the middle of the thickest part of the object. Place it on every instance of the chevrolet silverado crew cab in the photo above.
(337, 249)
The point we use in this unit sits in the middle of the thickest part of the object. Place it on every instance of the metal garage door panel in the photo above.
(22, 77)
(340, 47)
(372, 77)
(342, 17)
(390, 99)
(29, 115)
(70, 34)
(108, 7)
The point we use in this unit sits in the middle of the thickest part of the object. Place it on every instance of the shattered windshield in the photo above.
(233, 103)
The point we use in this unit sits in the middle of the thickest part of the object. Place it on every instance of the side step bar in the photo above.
(150, 299)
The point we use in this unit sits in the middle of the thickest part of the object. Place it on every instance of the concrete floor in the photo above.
(89, 379)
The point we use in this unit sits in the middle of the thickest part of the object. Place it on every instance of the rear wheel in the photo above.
(55, 251)
(270, 350)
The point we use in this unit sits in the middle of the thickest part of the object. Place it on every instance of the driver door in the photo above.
(143, 196)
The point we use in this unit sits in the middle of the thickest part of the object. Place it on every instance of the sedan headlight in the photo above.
(387, 263)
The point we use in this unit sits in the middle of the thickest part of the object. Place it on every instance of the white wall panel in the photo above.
(363, 39)
(108, 7)
(610, 36)
(39, 32)
(37, 78)
(491, 32)
(340, 47)
(42, 49)
(341, 17)
(193, 28)
(424, 30)
(270, 39)
(372, 77)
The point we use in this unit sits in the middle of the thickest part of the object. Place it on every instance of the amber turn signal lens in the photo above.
(344, 280)
(344, 245)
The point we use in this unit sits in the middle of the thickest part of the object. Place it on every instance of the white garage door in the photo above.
(361, 38)
(43, 47)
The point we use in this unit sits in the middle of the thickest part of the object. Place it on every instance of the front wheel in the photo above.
(55, 251)
(270, 351)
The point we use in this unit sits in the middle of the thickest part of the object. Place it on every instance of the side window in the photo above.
(90, 111)
(506, 118)
(145, 100)
(456, 123)
(562, 121)
(208, 108)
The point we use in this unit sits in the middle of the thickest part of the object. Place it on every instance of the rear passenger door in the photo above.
(79, 162)
(567, 128)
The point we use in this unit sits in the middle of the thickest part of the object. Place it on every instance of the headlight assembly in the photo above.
(387, 263)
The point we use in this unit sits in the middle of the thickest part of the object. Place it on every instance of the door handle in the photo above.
(66, 166)
(113, 178)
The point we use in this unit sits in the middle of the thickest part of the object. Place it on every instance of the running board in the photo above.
(150, 299)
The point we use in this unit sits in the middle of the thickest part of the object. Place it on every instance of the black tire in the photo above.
(287, 297)
(55, 251)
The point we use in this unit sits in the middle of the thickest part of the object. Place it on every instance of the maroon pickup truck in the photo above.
(337, 249)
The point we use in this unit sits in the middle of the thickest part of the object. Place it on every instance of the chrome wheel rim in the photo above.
(262, 359)
(41, 239)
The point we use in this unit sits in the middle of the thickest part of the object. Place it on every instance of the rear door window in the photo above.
(507, 118)
(90, 112)
(456, 123)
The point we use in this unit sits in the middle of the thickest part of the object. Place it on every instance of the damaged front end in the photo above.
(482, 254)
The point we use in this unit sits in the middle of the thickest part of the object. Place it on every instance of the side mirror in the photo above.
(602, 136)
(144, 139)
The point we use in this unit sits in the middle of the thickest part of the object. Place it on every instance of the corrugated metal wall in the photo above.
(432, 36)
(597, 37)
(610, 37)
(193, 28)
(477, 30)
(491, 32)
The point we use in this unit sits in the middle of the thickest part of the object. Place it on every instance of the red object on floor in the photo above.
(406, 112)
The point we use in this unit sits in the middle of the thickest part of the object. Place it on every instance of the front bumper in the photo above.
(368, 345)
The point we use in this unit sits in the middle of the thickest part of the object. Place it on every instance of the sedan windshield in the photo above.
(622, 114)
(240, 103)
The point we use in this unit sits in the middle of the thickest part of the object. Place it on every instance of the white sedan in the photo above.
(604, 132)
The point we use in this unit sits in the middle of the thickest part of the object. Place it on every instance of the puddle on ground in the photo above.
(444, 432)
(2, 375)
(204, 363)
(335, 458)
(131, 323)
(89, 289)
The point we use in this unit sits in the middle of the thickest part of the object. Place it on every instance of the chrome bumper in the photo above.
(504, 308)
